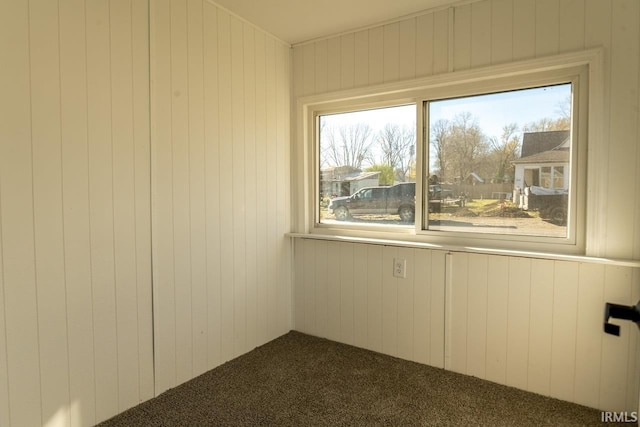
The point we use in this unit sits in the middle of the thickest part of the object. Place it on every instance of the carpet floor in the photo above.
(299, 380)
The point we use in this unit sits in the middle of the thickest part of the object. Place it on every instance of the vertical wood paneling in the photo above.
(437, 308)
(197, 193)
(375, 256)
(406, 305)
(361, 58)
(376, 55)
(333, 292)
(141, 116)
(220, 117)
(347, 61)
(47, 208)
(272, 202)
(518, 322)
(307, 289)
(347, 275)
(589, 334)
(572, 18)
(541, 326)
(334, 68)
(424, 45)
(75, 190)
(391, 54)
(321, 289)
(227, 241)
(101, 208)
(422, 307)
(407, 49)
(389, 303)
(563, 339)
(625, 68)
(502, 31)
(180, 144)
(441, 41)
(321, 66)
(262, 188)
(301, 282)
(360, 297)
(308, 65)
(477, 316)
(547, 27)
(497, 319)
(212, 185)
(524, 29)
(462, 38)
(251, 185)
(5, 410)
(481, 34)
(20, 308)
(124, 230)
(457, 315)
(237, 187)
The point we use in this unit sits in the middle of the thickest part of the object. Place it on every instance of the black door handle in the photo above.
(617, 311)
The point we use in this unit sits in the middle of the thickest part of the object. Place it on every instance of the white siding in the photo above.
(220, 185)
(75, 293)
(533, 324)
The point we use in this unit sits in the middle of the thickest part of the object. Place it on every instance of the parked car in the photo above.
(397, 199)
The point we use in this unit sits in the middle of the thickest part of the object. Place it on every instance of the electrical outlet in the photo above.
(400, 268)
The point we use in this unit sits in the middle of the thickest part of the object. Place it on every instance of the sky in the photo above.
(491, 111)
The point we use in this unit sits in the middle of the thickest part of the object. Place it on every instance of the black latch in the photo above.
(617, 311)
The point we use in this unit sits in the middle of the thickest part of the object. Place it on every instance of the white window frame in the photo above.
(584, 68)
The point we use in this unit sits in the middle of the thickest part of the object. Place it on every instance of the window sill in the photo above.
(467, 249)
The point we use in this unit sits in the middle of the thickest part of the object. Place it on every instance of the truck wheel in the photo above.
(341, 213)
(558, 215)
(406, 214)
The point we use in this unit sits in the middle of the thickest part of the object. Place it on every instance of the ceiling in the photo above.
(295, 21)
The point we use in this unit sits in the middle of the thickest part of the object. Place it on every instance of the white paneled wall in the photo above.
(346, 292)
(533, 324)
(537, 325)
(528, 323)
(75, 248)
(220, 185)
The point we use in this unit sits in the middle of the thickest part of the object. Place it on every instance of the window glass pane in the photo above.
(488, 164)
(368, 167)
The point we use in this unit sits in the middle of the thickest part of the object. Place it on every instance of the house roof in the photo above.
(550, 156)
(538, 142)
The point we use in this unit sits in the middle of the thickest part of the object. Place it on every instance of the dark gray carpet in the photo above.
(299, 380)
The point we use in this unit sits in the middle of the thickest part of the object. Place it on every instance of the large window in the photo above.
(493, 158)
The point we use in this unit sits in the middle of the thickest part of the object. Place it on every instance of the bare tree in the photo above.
(346, 146)
(397, 148)
(468, 145)
(505, 150)
(440, 144)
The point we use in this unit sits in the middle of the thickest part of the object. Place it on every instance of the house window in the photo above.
(368, 167)
(493, 157)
